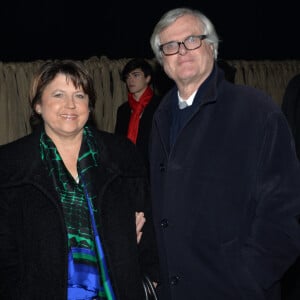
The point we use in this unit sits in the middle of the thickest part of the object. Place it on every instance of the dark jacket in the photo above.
(291, 108)
(33, 236)
(226, 197)
(122, 122)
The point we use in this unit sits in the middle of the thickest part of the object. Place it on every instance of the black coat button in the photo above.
(174, 280)
(162, 167)
(164, 223)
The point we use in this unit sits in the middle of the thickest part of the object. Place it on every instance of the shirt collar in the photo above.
(188, 101)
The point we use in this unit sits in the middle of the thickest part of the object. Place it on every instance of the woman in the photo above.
(68, 197)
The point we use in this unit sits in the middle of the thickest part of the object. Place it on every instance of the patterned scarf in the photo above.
(137, 108)
(86, 273)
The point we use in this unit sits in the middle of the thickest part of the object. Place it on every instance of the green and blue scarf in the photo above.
(88, 274)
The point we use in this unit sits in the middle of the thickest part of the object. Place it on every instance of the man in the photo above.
(224, 175)
(134, 117)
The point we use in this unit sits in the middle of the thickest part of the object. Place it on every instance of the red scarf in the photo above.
(137, 108)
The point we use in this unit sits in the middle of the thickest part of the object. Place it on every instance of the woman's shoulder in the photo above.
(22, 146)
(116, 143)
(119, 150)
(18, 157)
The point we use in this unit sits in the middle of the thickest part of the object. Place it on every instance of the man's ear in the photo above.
(148, 79)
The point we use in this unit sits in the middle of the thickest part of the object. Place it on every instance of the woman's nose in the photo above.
(70, 102)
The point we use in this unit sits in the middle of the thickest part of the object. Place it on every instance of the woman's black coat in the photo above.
(33, 235)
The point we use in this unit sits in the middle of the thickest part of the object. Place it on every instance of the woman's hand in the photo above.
(139, 223)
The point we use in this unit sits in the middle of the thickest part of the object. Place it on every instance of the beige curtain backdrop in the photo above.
(15, 78)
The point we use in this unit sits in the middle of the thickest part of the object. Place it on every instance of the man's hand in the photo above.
(139, 223)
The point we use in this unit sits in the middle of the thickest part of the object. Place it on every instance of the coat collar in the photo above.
(163, 115)
(21, 163)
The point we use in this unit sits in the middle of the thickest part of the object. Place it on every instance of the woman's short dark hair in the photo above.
(74, 70)
(137, 63)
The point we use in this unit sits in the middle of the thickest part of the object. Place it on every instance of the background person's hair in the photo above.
(74, 71)
(171, 16)
(137, 63)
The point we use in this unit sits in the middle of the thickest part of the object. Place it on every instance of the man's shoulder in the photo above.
(124, 105)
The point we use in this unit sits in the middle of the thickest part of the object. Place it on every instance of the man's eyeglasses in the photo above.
(190, 43)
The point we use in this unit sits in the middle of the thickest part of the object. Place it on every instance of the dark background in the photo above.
(32, 30)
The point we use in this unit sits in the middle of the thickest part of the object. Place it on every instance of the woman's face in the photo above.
(64, 108)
